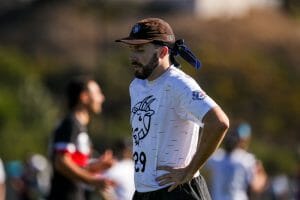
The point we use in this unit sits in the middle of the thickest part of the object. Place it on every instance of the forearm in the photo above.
(104, 162)
(215, 127)
(67, 167)
(2, 191)
(260, 178)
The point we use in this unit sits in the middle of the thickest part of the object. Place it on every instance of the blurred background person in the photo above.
(235, 173)
(122, 172)
(36, 176)
(71, 145)
(2, 181)
(253, 69)
(281, 187)
(15, 186)
(296, 181)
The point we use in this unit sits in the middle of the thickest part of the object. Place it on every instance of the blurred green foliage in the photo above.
(250, 67)
(26, 107)
(292, 7)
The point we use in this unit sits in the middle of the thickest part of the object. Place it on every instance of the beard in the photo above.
(145, 70)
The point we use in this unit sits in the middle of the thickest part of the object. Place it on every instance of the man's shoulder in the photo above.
(244, 157)
(177, 73)
(67, 121)
(66, 126)
(135, 82)
(180, 80)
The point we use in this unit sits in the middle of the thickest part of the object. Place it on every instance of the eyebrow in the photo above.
(137, 49)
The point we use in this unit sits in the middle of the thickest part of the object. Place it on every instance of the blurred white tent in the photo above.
(230, 8)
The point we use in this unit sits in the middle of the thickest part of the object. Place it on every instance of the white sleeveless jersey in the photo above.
(165, 117)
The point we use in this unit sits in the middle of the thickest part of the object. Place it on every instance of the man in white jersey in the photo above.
(167, 109)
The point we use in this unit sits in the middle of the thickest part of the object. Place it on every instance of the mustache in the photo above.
(136, 63)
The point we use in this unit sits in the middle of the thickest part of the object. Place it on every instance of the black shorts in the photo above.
(196, 189)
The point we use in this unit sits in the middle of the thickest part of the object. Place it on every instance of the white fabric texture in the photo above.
(165, 116)
(122, 173)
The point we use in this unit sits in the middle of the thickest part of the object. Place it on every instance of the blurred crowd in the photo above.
(232, 164)
(237, 174)
(31, 179)
(233, 172)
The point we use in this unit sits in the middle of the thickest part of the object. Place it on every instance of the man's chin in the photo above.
(138, 70)
(96, 111)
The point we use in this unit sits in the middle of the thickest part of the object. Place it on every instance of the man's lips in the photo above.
(137, 69)
(136, 65)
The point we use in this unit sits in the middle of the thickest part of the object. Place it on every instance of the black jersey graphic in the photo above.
(141, 118)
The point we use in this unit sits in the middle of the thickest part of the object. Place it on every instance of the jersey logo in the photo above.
(141, 119)
(198, 95)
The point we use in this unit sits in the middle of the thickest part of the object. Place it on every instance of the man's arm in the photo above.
(260, 178)
(104, 162)
(2, 191)
(216, 124)
(66, 166)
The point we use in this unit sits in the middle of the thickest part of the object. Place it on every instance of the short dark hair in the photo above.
(238, 132)
(74, 88)
(120, 145)
(231, 141)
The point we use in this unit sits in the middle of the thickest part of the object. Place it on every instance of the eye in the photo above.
(137, 50)
(140, 118)
(140, 50)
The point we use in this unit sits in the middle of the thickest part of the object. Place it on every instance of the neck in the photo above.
(159, 70)
(82, 115)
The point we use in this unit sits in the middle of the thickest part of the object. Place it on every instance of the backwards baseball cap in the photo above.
(149, 30)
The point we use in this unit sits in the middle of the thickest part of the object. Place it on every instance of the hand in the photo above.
(104, 162)
(175, 176)
(108, 193)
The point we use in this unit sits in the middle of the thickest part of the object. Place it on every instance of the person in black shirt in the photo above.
(71, 145)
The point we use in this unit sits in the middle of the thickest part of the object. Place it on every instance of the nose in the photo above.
(133, 56)
(102, 97)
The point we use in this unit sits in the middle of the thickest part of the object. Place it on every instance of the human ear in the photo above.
(84, 97)
(164, 50)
